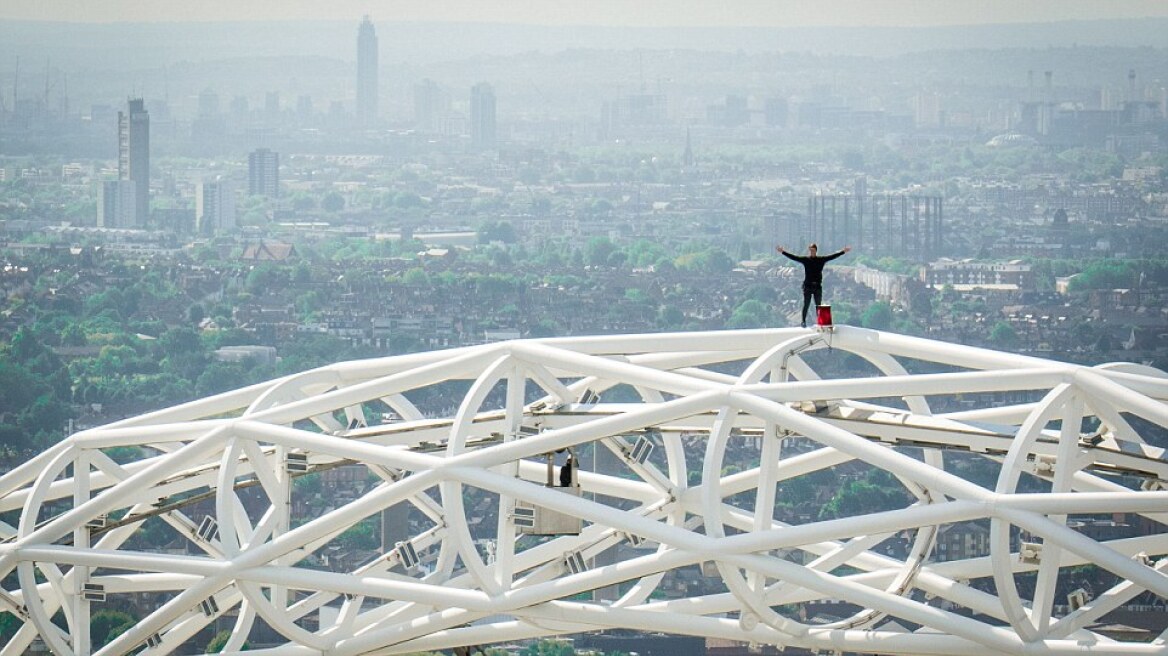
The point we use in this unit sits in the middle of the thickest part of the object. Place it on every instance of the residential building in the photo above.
(116, 203)
(263, 173)
(134, 155)
(482, 116)
(962, 540)
(214, 207)
(970, 273)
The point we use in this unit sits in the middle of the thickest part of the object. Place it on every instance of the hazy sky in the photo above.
(665, 13)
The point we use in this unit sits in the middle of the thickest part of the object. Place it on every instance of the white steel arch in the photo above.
(693, 446)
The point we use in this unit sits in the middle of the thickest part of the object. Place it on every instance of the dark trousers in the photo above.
(810, 290)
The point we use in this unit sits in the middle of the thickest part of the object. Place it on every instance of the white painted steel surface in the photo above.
(736, 420)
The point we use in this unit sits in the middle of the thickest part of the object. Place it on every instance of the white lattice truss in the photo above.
(222, 474)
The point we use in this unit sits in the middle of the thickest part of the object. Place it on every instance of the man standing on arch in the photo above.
(812, 274)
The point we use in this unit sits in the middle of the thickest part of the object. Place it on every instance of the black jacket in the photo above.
(813, 266)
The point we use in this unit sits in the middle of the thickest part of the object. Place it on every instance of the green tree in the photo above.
(1091, 164)
(308, 351)
(760, 292)
(501, 258)
(598, 250)
(664, 265)
(636, 295)
(751, 314)
(494, 285)
(182, 353)
(196, 314)
(217, 643)
(862, 497)
(123, 302)
(31, 412)
(180, 342)
(9, 625)
(644, 252)
(309, 303)
(25, 345)
(116, 360)
(548, 647)
(416, 276)
(1105, 274)
(74, 335)
(878, 316)
(362, 535)
(302, 202)
(105, 625)
(221, 377)
(712, 260)
(408, 200)
(403, 344)
(502, 231)
(301, 273)
(717, 261)
(669, 317)
(332, 202)
(264, 277)
(1003, 335)
(546, 328)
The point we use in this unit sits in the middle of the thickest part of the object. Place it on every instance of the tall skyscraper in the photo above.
(366, 74)
(482, 116)
(431, 105)
(134, 156)
(263, 173)
(115, 204)
(214, 207)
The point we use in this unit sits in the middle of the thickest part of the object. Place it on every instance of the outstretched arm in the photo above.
(838, 253)
(790, 256)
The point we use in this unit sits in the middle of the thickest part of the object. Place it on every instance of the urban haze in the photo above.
(196, 203)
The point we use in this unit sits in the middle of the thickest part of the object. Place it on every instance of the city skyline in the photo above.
(368, 250)
(650, 13)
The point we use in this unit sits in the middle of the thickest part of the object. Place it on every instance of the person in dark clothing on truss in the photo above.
(812, 274)
(566, 472)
